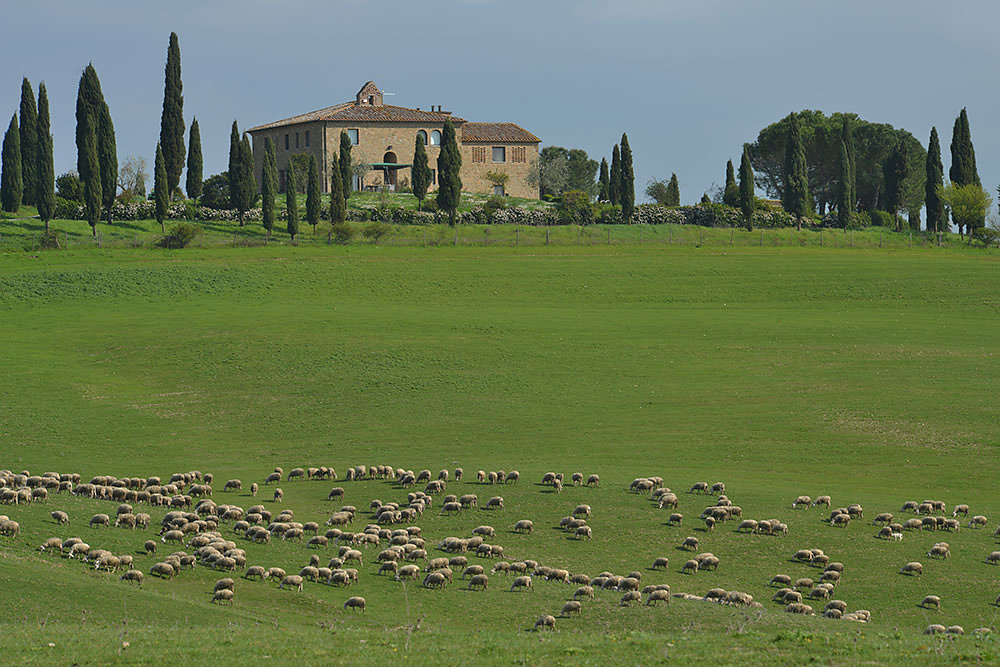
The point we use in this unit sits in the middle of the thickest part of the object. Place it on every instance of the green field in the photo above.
(869, 375)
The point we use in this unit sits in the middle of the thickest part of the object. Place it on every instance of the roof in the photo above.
(506, 132)
(349, 111)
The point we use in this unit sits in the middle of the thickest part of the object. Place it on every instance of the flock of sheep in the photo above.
(197, 522)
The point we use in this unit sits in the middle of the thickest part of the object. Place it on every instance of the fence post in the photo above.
(701, 236)
(329, 237)
(546, 236)
(609, 236)
(880, 238)
(486, 236)
(762, 238)
(456, 238)
(670, 235)
(579, 233)
(640, 234)
(732, 234)
(820, 237)
(852, 238)
(517, 236)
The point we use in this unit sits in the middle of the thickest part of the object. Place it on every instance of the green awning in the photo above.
(389, 165)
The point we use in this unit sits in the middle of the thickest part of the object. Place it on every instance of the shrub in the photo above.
(180, 235)
(985, 236)
(215, 192)
(882, 219)
(342, 233)
(70, 187)
(49, 240)
(574, 207)
(191, 211)
(375, 231)
(67, 209)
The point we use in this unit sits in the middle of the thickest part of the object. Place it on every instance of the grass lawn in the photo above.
(782, 370)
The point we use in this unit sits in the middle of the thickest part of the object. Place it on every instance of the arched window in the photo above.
(423, 136)
(435, 138)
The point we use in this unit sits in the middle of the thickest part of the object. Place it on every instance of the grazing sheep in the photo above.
(594, 480)
(658, 595)
(435, 580)
(955, 630)
(838, 605)
(822, 500)
(993, 558)
(486, 531)
(132, 575)
(799, 608)
(629, 598)
(884, 517)
(833, 613)
(935, 629)
(709, 524)
(225, 583)
(278, 495)
(356, 602)
(780, 580)
(584, 592)
(831, 576)
(939, 551)
(273, 477)
(581, 510)
(408, 572)
(931, 601)
(856, 511)
(149, 546)
(480, 581)
(163, 570)
(100, 520)
(840, 520)
(583, 532)
(747, 525)
(255, 571)
(690, 543)
(545, 621)
(805, 555)
(661, 563)
(834, 567)
(690, 567)
(496, 502)
(912, 568)
(253, 489)
(804, 582)
(522, 582)
(961, 509)
(60, 517)
(573, 606)
(978, 521)
(524, 526)
(292, 580)
(792, 597)
(819, 593)
(820, 560)
(53, 543)
(802, 501)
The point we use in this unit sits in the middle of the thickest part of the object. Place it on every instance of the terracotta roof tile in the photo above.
(505, 132)
(349, 111)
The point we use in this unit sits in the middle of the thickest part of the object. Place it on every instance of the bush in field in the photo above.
(342, 233)
(180, 236)
(375, 231)
(215, 191)
(70, 187)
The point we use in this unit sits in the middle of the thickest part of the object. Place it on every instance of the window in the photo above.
(499, 154)
(286, 142)
(518, 154)
(307, 138)
(355, 182)
(296, 139)
(423, 136)
(435, 138)
(353, 136)
(498, 190)
(479, 153)
(434, 177)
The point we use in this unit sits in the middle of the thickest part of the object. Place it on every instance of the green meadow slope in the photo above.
(868, 375)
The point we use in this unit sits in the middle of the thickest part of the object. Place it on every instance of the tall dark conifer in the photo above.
(673, 192)
(161, 188)
(242, 184)
(268, 186)
(844, 201)
(172, 118)
(28, 124)
(421, 172)
(896, 169)
(345, 163)
(89, 101)
(604, 182)
(11, 183)
(312, 194)
(90, 165)
(795, 198)
(449, 177)
(847, 137)
(731, 192)
(748, 200)
(963, 156)
(291, 201)
(46, 193)
(338, 207)
(615, 176)
(107, 157)
(194, 162)
(627, 194)
(936, 216)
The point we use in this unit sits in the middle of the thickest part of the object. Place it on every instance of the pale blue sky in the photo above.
(689, 81)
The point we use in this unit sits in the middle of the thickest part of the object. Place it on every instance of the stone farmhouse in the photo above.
(383, 138)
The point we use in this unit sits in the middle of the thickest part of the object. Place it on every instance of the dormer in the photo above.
(369, 96)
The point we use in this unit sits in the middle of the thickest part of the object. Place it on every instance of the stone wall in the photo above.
(477, 161)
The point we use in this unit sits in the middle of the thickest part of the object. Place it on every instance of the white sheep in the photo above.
(60, 517)
(912, 568)
(355, 602)
(931, 601)
(522, 582)
(132, 575)
(545, 621)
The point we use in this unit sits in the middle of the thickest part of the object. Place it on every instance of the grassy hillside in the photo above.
(866, 375)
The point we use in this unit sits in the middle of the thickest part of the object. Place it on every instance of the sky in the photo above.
(689, 81)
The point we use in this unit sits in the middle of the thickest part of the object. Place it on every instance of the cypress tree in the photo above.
(28, 126)
(963, 159)
(107, 157)
(312, 194)
(847, 137)
(234, 158)
(46, 194)
(291, 202)
(896, 170)
(172, 118)
(242, 184)
(338, 207)
(161, 187)
(420, 171)
(194, 162)
(936, 218)
(673, 192)
(627, 194)
(11, 183)
(604, 182)
(795, 197)
(268, 185)
(731, 193)
(88, 160)
(844, 187)
(449, 179)
(345, 163)
(615, 176)
(705, 199)
(88, 102)
(746, 188)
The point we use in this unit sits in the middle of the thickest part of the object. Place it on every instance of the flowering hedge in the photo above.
(146, 210)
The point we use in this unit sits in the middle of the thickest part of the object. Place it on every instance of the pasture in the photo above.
(866, 375)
